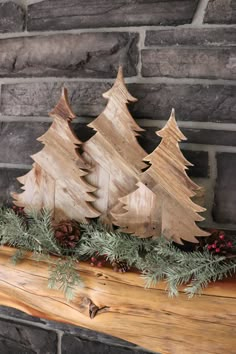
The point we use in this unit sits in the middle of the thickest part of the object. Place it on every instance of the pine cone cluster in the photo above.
(100, 260)
(67, 234)
(121, 267)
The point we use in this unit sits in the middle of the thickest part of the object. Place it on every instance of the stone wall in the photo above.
(175, 53)
(24, 334)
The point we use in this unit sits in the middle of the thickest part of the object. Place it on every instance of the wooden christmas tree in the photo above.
(56, 181)
(171, 212)
(113, 152)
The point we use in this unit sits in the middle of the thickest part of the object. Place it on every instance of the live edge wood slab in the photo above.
(117, 304)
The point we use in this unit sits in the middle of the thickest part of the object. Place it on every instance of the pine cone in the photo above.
(121, 267)
(67, 233)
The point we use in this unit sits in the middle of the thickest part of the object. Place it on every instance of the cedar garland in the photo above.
(156, 259)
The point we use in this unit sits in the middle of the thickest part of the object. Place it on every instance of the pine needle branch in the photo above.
(65, 277)
(18, 256)
(40, 224)
(156, 259)
(112, 244)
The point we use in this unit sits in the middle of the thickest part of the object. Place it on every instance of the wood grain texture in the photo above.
(56, 180)
(175, 214)
(114, 152)
(204, 324)
(143, 213)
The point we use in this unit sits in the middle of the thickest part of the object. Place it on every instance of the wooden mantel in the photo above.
(120, 306)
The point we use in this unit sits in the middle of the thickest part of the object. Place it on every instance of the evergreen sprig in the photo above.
(177, 267)
(112, 244)
(37, 235)
(65, 277)
(157, 259)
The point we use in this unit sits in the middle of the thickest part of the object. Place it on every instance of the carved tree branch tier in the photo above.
(117, 304)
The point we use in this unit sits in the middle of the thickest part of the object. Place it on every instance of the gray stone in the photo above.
(82, 131)
(9, 184)
(221, 11)
(225, 189)
(212, 103)
(16, 338)
(18, 141)
(58, 15)
(69, 55)
(149, 141)
(205, 103)
(190, 62)
(192, 36)
(14, 313)
(199, 159)
(77, 331)
(89, 335)
(11, 17)
(198, 136)
(37, 99)
(75, 345)
(210, 137)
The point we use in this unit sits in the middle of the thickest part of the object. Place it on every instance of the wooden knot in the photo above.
(94, 310)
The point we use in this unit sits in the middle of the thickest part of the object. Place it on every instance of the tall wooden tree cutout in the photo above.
(161, 204)
(56, 180)
(114, 152)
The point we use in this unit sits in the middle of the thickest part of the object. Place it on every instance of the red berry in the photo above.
(213, 246)
(72, 244)
(99, 264)
(229, 244)
(93, 259)
(217, 250)
(209, 247)
(222, 236)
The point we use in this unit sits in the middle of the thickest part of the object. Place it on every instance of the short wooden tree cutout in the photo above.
(162, 203)
(56, 180)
